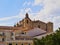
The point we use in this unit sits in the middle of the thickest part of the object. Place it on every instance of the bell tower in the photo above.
(27, 21)
(27, 15)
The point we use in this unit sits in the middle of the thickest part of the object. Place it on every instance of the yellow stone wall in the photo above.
(26, 42)
(42, 25)
(49, 27)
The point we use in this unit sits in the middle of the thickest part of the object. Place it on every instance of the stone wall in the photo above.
(27, 23)
(49, 27)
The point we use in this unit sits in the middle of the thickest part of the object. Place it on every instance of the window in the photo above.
(29, 44)
(3, 33)
(11, 38)
(12, 34)
(25, 32)
(10, 44)
(27, 21)
(16, 44)
(22, 44)
(22, 33)
(46, 27)
(38, 26)
(2, 39)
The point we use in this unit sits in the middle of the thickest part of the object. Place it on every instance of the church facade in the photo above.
(24, 31)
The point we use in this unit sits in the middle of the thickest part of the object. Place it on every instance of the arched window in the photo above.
(3, 33)
(38, 26)
(12, 34)
(27, 21)
(2, 39)
(29, 44)
(16, 44)
(22, 44)
(10, 43)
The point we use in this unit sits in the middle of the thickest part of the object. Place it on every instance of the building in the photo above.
(24, 31)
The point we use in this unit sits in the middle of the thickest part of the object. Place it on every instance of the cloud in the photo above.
(38, 2)
(8, 18)
(5, 19)
(26, 3)
(5, 24)
(50, 11)
(28, 10)
(20, 15)
(56, 22)
(25, 10)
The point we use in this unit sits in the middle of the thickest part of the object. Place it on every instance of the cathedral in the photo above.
(23, 32)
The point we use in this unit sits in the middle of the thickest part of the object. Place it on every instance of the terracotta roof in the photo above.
(9, 28)
(6, 27)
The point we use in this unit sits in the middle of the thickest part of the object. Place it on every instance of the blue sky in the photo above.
(11, 11)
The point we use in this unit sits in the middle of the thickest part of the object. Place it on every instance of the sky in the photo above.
(12, 11)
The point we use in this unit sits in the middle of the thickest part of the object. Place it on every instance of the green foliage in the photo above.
(52, 39)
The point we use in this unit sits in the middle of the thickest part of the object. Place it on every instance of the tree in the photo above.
(52, 39)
